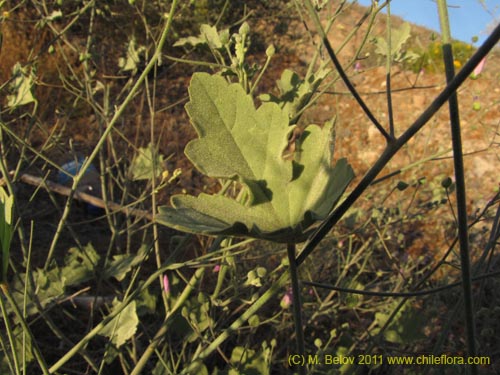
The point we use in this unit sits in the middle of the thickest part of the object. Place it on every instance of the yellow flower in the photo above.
(457, 63)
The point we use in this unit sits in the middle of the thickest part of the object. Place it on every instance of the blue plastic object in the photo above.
(90, 182)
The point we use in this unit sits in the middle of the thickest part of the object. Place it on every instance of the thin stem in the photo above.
(463, 233)
(160, 334)
(10, 334)
(398, 294)
(34, 344)
(297, 304)
(388, 72)
(342, 73)
(120, 110)
(252, 310)
(394, 147)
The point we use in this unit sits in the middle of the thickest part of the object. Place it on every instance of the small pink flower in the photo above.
(216, 268)
(287, 299)
(166, 284)
(479, 67)
(357, 66)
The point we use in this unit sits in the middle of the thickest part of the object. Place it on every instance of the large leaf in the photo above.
(238, 142)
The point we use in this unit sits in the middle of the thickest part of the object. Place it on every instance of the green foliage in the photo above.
(396, 49)
(196, 313)
(147, 164)
(228, 50)
(123, 326)
(431, 58)
(208, 36)
(405, 328)
(237, 142)
(133, 57)
(245, 361)
(24, 350)
(6, 231)
(79, 267)
(254, 277)
(295, 93)
(278, 182)
(21, 87)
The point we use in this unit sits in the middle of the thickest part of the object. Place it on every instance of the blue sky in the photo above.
(468, 18)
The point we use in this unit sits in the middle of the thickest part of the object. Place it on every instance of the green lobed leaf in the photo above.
(208, 36)
(295, 93)
(80, 264)
(398, 39)
(238, 142)
(133, 57)
(21, 87)
(122, 264)
(147, 164)
(123, 326)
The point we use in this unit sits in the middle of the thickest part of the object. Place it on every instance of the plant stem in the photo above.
(10, 333)
(388, 64)
(158, 338)
(396, 145)
(463, 234)
(341, 72)
(34, 345)
(297, 304)
(110, 126)
(256, 306)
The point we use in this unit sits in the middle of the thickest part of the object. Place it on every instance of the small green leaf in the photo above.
(254, 321)
(122, 327)
(55, 15)
(80, 264)
(270, 51)
(124, 263)
(147, 164)
(295, 93)
(405, 327)
(245, 361)
(20, 87)
(133, 57)
(210, 35)
(398, 39)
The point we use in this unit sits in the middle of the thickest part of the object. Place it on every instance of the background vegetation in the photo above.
(92, 291)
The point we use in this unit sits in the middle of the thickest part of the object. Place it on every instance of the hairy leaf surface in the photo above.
(238, 142)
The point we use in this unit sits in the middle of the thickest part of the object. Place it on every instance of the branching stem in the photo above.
(297, 304)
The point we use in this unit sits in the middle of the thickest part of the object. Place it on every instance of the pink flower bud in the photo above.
(479, 67)
(166, 284)
(287, 299)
